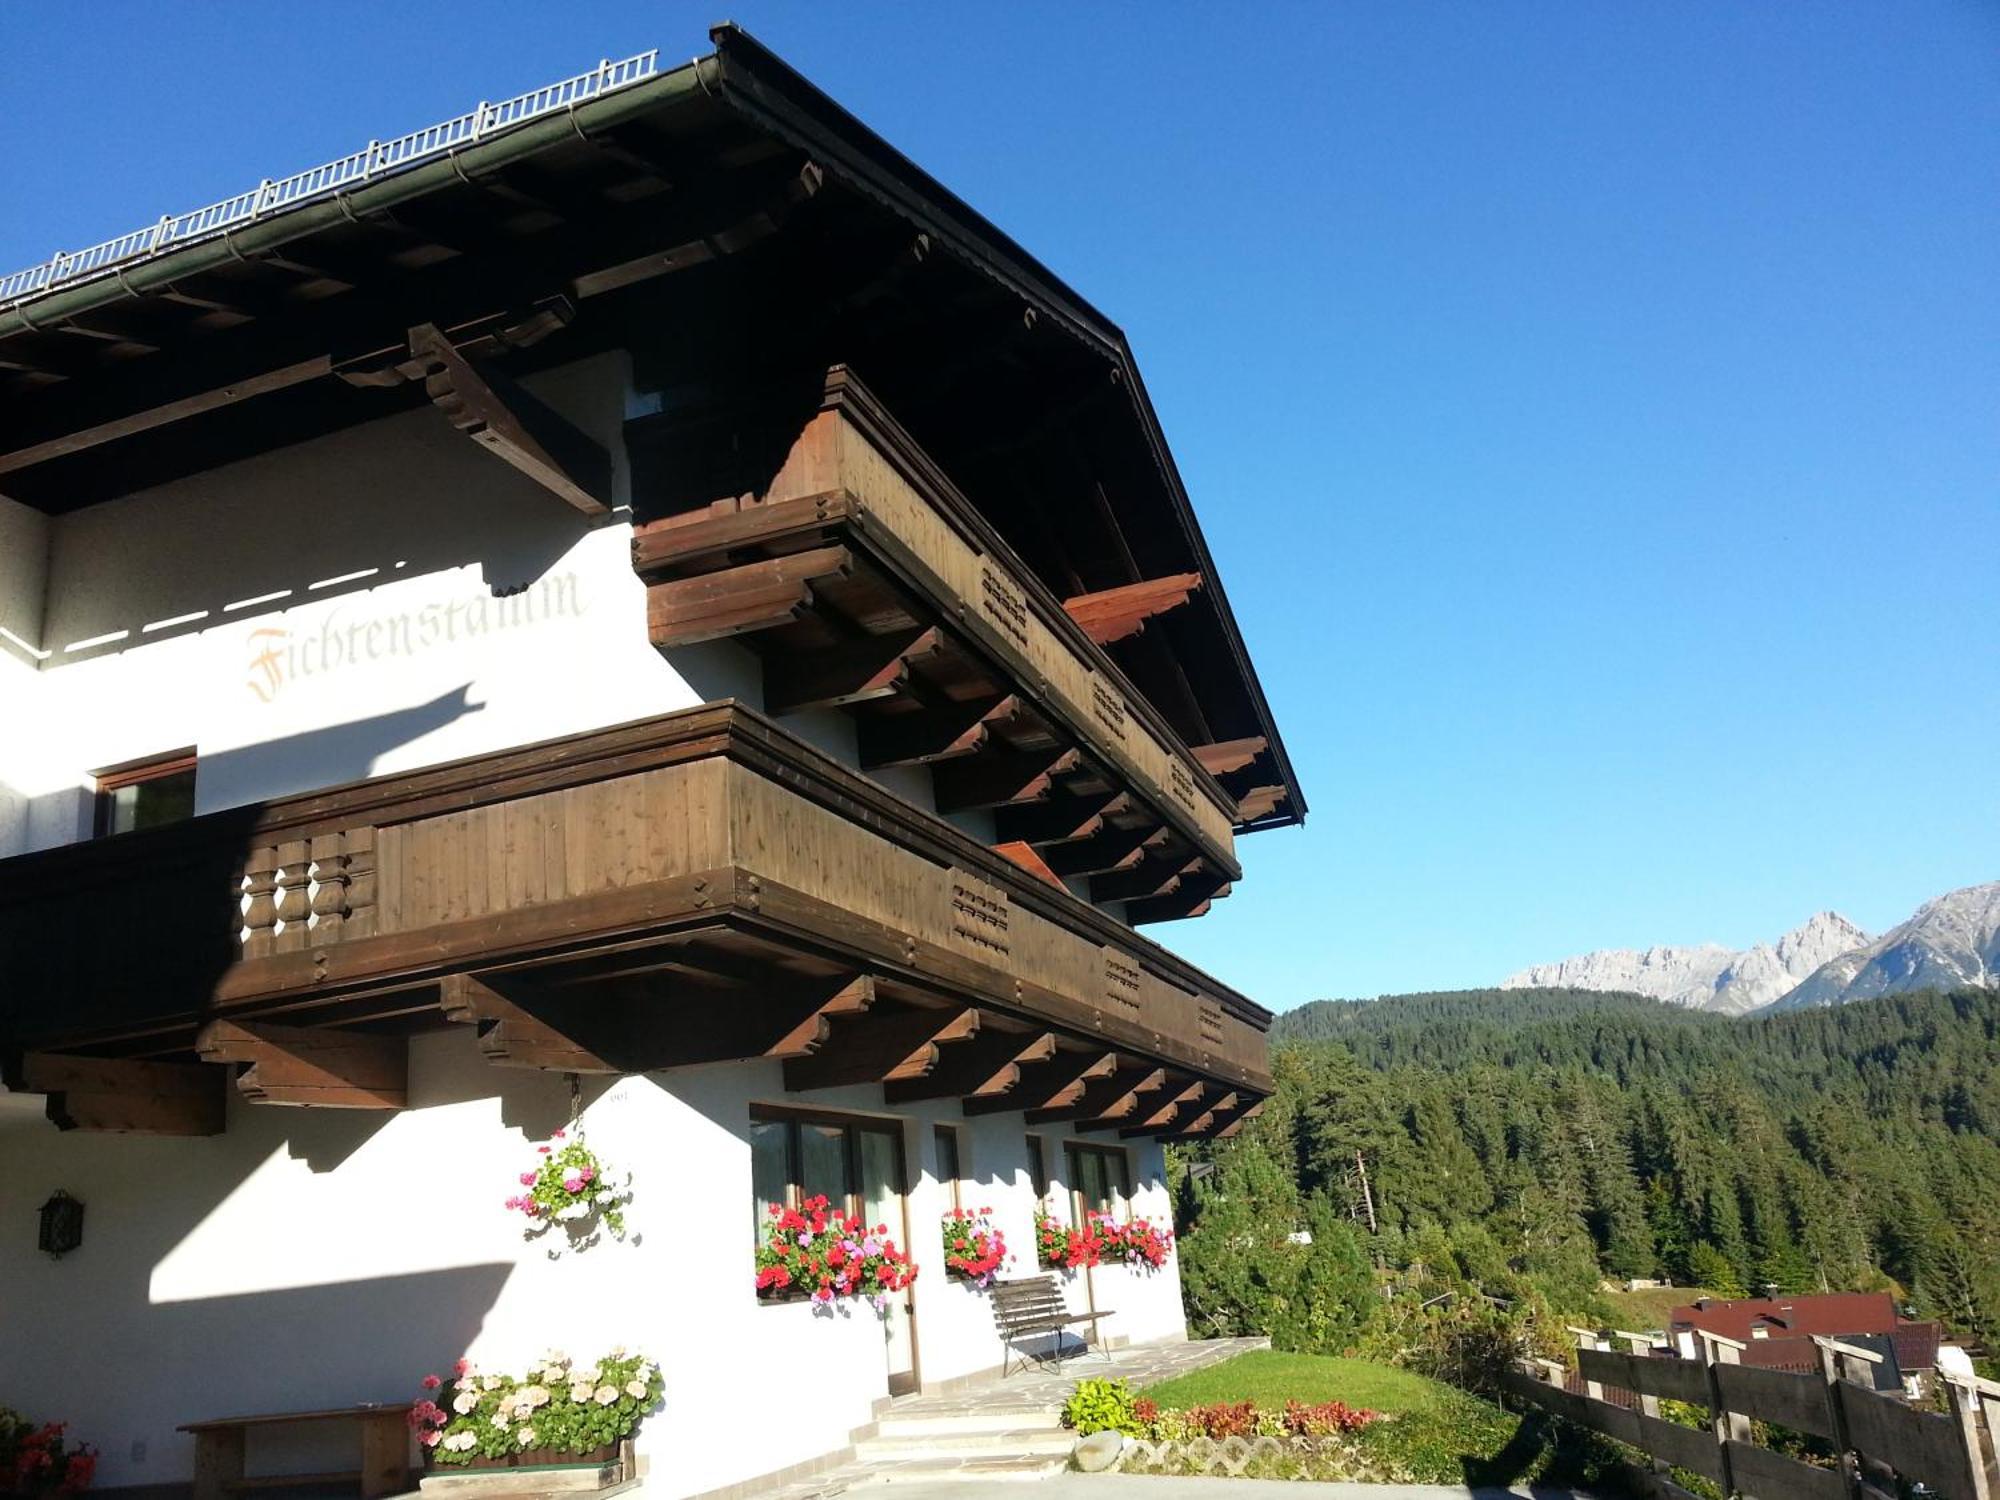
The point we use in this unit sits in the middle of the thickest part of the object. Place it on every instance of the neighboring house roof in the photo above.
(1836, 1314)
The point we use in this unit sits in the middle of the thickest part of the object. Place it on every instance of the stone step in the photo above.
(985, 1419)
(1026, 1468)
(1002, 1443)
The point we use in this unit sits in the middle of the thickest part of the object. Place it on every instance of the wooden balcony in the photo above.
(868, 582)
(694, 888)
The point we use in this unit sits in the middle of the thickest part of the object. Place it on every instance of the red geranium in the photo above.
(973, 1248)
(830, 1250)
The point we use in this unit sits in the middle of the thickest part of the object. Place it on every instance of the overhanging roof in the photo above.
(728, 201)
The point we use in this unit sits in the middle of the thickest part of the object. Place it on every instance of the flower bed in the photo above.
(34, 1459)
(974, 1250)
(1296, 1441)
(571, 1187)
(559, 1412)
(824, 1253)
(1137, 1241)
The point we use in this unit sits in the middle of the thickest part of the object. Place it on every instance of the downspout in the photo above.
(124, 282)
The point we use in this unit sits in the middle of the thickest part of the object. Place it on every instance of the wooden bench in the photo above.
(1031, 1305)
(385, 1452)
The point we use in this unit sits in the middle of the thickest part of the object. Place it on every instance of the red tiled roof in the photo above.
(1832, 1313)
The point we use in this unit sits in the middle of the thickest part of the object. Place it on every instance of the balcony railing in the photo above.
(696, 887)
(377, 159)
(868, 582)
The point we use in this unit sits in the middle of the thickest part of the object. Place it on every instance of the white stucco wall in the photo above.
(381, 598)
(326, 613)
(309, 1258)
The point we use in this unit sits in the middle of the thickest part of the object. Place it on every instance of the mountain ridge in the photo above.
(1951, 940)
(1704, 976)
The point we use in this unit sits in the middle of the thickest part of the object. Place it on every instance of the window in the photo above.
(145, 795)
(856, 1163)
(950, 1171)
(1100, 1178)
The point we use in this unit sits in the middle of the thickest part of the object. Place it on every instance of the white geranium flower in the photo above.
(585, 1377)
(636, 1389)
(580, 1391)
(525, 1437)
(459, 1442)
(465, 1402)
(606, 1394)
(500, 1419)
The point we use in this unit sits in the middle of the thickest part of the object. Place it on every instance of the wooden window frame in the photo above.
(1121, 1156)
(133, 773)
(1038, 1168)
(954, 1184)
(851, 1125)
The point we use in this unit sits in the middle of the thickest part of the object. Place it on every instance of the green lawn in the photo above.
(1271, 1379)
(1642, 1312)
(1431, 1433)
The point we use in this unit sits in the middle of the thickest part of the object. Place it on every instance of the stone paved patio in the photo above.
(969, 1433)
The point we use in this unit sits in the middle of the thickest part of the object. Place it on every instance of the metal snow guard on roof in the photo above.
(378, 159)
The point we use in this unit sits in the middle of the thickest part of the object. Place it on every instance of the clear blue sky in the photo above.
(1592, 408)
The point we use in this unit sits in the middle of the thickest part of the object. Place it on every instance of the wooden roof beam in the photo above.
(1151, 877)
(325, 1067)
(1062, 818)
(1242, 1119)
(510, 1035)
(1225, 756)
(1108, 1099)
(1113, 850)
(931, 735)
(124, 1095)
(853, 672)
(1049, 1085)
(1218, 1113)
(883, 1048)
(1191, 898)
(1114, 614)
(985, 1066)
(736, 601)
(1000, 779)
(515, 426)
(1160, 1114)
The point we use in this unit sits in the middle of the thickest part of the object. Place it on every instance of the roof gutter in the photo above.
(582, 120)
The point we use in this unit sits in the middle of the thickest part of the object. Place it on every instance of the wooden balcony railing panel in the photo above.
(873, 538)
(351, 905)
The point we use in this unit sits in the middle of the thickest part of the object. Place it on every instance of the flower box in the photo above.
(561, 1413)
(533, 1458)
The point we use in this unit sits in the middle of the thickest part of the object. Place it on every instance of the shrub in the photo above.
(1325, 1419)
(1223, 1419)
(1103, 1406)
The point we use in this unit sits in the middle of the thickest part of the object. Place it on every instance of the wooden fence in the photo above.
(1876, 1438)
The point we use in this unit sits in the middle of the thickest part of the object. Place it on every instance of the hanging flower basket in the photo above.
(560, 1412)
(826, 1253)
(571, 1187)
(974, 1250)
